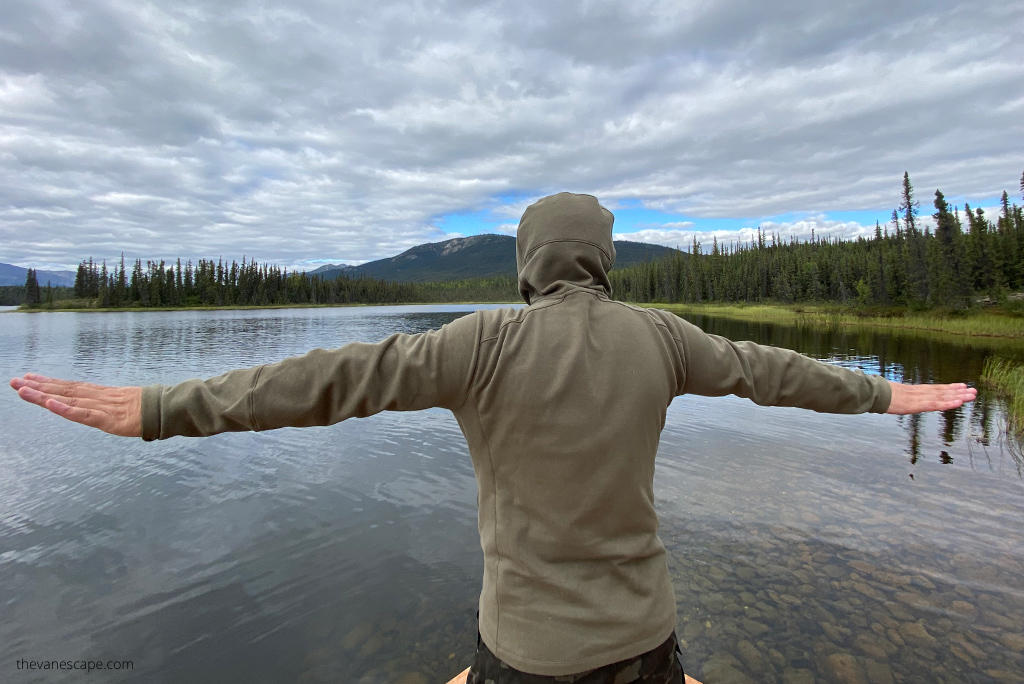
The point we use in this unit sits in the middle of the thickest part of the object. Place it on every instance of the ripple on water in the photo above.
(800, 548)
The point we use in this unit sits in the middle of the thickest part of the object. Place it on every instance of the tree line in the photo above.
(32, 293)
(905, 264)
(249, 283)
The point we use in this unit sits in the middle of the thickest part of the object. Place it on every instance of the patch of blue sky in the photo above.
(487, 220)
(958, 202)
(632, 216)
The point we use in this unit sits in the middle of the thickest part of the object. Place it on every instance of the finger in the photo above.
(70, 383)
(966, 394)
(107, 404)
(951, 401)
(69, 388)
(37, 377)
(90, 417)
(33, 396)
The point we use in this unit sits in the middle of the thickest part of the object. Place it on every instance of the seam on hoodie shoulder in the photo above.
(653, 316)
(585, 242)
(528, 311)
(494, 529)
(632, 307)
(252, 399)
(474, 362)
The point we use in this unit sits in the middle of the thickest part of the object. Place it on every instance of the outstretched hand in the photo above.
(117, 410)
(920, 398)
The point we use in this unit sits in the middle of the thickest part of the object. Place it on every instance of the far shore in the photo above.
(233, 307)
(986, 322)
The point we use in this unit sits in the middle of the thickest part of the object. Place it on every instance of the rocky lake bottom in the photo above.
(803, 547)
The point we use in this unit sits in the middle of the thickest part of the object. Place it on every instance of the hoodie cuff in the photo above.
(883, 394)
(151, 395)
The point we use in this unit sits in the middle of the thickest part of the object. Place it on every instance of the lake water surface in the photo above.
(804, 547)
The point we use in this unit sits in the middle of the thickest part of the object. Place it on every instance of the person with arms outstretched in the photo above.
(562, 403)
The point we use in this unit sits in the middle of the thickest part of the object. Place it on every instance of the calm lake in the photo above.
(804, 547)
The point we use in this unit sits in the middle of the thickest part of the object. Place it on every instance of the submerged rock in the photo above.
(845, 669)
(1014, 642)
(372, 645)
(915, 634)
(878, 673)
(753, 628)
(722, 668)
(797, 676)
(357, 635)
(412, 678)
(872, 647)
(751, 657)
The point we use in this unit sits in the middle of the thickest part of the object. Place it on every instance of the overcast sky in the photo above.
(308, 132)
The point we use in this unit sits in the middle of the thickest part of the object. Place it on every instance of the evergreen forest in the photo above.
(968, 257)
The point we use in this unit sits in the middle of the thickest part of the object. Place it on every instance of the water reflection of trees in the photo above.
(902, 358)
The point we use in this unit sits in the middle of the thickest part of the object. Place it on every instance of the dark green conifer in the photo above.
(32, 294)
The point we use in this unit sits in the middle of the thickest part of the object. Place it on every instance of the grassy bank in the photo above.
(1006, 378)
(1002, 322)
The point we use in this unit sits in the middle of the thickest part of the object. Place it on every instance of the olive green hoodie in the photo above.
(562, 404)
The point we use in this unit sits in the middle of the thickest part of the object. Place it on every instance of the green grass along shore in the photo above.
(1006, 378)
(1006, 322)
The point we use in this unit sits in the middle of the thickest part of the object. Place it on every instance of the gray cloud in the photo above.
(342, 131)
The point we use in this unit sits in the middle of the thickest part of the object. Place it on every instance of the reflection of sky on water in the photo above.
(261, 557)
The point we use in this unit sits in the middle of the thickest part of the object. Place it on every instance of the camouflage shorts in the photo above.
(658, 666)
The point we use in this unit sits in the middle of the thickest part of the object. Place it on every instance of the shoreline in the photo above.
(996, 324)
(975, 324)
(237, 307)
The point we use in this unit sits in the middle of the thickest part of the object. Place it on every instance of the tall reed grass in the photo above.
(1006, 378)
(973, 324)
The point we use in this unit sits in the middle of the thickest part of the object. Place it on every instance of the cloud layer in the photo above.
(304, 131)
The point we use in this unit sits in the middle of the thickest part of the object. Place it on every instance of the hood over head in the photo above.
(564, 240)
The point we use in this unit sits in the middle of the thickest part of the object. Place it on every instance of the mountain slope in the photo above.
(478, 256)
(329, 267)
(15, 275)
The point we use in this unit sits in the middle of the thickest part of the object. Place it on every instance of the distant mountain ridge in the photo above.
(477, 256)
(15, 275)
(329, 267)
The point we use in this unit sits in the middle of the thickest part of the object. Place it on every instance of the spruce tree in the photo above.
(947, 287)
(120, 293)
(1008, 242)
(32, 294)
(81, 281)
(984, 272)
(909, 206)
(103, 296)
(914, 246)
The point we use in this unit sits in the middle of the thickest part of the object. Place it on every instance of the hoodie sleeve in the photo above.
(714, 366)
(322, 387)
